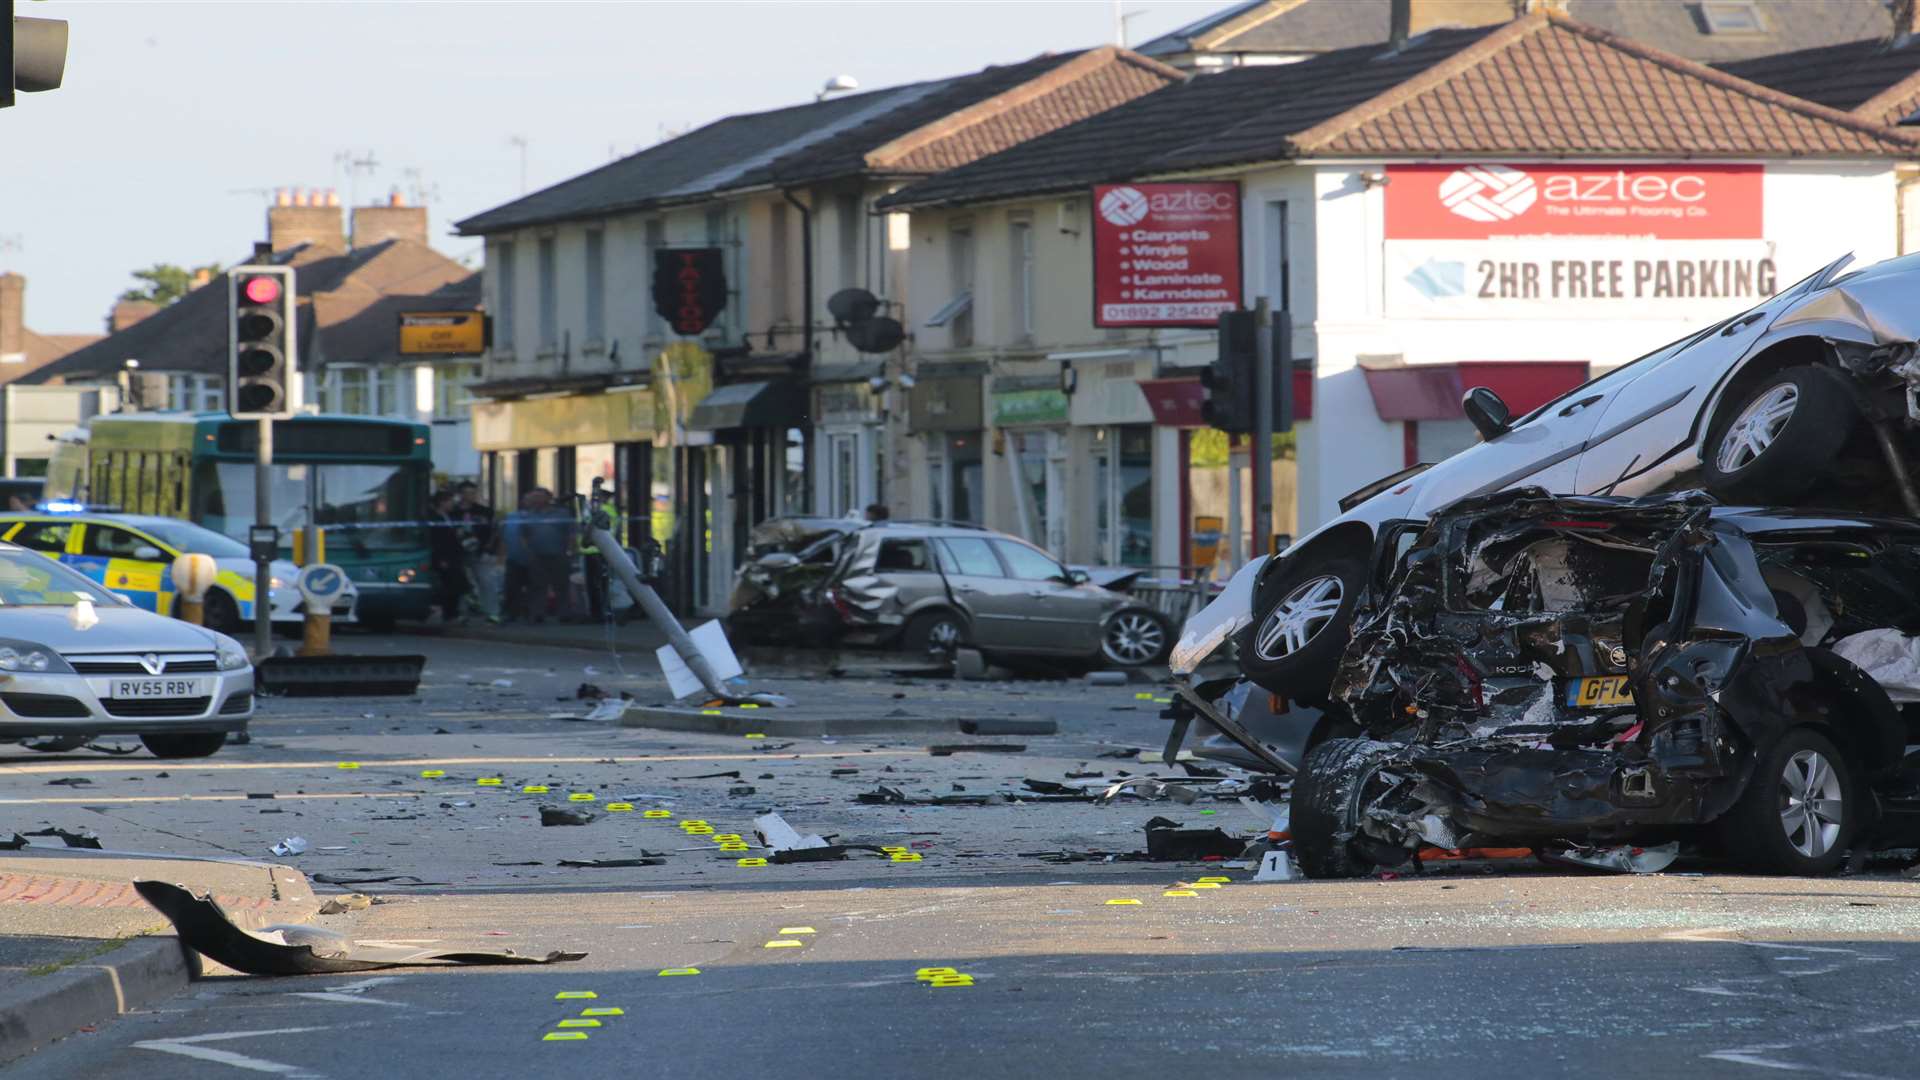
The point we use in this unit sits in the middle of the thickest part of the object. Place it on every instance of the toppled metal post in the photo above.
(615, 553)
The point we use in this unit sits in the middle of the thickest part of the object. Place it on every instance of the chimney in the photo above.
(13, 316)
(394, 221)
(1399, 24)
(127, 312)
(304, 219)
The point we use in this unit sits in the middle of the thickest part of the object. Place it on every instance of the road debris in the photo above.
(292, 845)
(82, 839)
(610, 864)
(300, 950)
(1168, 842)
(339, 905)
(562, 815)
(949, 749)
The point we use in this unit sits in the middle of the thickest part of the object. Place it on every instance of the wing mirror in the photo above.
(1490, 415)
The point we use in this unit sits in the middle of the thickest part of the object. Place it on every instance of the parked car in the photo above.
(1817, 390)
(931, 587)
(70, 675)
(1528, 668)
(132, 554)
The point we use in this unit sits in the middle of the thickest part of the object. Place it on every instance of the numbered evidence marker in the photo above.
(489, 781)
(656, 813)
(942, 982)
(905, 856)
(535, 789)
(580, 796)
(619, 808)
(752, 863)
(924, 974)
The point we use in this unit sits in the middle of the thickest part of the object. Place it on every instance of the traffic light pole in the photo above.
(1262, 456)
(263, 567)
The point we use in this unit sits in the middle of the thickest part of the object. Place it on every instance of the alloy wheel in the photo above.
(1811, 803)
(1755, 429)
(943, 637)
(1133, 638)
(1299, 617)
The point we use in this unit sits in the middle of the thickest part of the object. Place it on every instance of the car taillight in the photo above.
(840, 605)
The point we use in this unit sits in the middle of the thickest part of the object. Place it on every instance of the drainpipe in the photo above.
(806, 276)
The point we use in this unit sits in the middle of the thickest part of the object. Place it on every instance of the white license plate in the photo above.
(158, 688)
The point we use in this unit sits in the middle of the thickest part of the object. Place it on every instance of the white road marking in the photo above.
(349, 999)
(189, 1046)
(331, 764)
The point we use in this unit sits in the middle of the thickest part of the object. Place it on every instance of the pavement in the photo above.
(810, 969)
(80, 946)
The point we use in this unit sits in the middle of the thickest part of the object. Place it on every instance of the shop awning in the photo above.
(775, 404)
(1176, 402)
(1433, 391)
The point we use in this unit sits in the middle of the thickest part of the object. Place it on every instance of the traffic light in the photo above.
(260, 361)
(33, 53)
(1229, 379)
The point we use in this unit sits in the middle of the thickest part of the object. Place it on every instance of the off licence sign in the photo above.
(443, 333)
(1165, 254)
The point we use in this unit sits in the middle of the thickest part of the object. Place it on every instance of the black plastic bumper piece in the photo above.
(339, 676)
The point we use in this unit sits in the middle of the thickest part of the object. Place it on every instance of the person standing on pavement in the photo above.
(477, 545)
(549, 537)
(593, 561)
(446, 556)
(515, 599)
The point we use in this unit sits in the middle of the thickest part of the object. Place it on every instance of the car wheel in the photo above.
(1777, 443)
(1800, 810)
(1325, 810)
(196, 744)
(1294, 644)
(1135, 637)
(934, 634)
(220, 612)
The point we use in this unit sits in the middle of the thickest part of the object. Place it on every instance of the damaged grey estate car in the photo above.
(1534, 669)
(930, 587)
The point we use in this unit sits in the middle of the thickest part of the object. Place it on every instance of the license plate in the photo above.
(1599, 692)
(158, 688)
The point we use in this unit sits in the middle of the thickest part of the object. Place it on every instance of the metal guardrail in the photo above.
(1176, 592)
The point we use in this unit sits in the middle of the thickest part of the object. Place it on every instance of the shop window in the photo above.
(450, 381)
(350, 390)
(656, 239)
(958, 313)
(1123, 494)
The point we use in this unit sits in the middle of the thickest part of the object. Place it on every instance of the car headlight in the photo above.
(27, 657)
(275, 583)
(232, 657)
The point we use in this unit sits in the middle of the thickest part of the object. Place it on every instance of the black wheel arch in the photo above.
(1800, 350)
(1345, 537)
(1866, 725)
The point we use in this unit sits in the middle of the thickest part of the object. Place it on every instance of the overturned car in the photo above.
(1535, 669)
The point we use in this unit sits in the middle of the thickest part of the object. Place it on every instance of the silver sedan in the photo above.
(77, 661)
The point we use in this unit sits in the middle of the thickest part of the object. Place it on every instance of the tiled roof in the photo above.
(905, 130)
(1310, 26)
(1538, 85)
(190, 334)
(1872, 78)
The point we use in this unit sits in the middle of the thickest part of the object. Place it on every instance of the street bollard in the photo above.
(320, 584)
(192, 576)
(317, 638)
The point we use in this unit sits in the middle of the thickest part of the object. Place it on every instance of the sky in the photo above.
(177, 120)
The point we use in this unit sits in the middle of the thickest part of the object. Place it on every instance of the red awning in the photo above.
(1433, 391)
(1176, 402)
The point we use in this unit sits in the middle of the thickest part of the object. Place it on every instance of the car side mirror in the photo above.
(147, 553)
(1078, 577)
(1490, 415)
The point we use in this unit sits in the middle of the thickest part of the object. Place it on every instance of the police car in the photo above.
(132, 555)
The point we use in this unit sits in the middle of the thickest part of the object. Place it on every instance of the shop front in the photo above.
(849, 440)
(944, 416)
(744, 460)
(1033, 444)
(1113, 424)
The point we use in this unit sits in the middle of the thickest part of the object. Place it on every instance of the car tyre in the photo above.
(1325, 810)
(220, 612)
(1300, 629)
(1779, 441)
(1136, 637)
(185, 745)
(1800, 810)
(934, 634)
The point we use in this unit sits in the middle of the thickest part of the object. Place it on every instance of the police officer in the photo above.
(594, 564)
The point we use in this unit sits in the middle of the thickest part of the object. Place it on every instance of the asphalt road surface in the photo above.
(1522, 973)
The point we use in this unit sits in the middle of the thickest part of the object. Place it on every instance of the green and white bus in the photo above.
(368, 479)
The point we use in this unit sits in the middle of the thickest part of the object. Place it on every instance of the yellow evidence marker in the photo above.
(1215, 880)
(432, 774)
(576, 1023)
(580, 796)
(752, 863)
(534, 789)
(489, 781)
(348, 765)
(656, 813)
(564, 1036)
(927, 973)
(609, 1010)
(1115, 903)
(680, 971)
(1179, 892)
(574, 995)
(942, 981)
(619, 808)
(905, 856)
(784, 944)
(788, 931)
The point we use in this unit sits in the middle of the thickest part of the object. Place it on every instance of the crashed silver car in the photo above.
(1549, 671)
(1813, 394)
(931, 587)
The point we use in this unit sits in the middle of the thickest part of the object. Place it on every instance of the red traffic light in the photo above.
(261, 290)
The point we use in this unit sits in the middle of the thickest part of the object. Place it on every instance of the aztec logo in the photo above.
(1123, 206)
(1486, 193)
